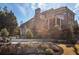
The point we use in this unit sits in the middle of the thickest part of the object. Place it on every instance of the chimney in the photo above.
(37, 12)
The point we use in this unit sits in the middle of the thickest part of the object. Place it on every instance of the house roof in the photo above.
(58, 9)
(47, 11)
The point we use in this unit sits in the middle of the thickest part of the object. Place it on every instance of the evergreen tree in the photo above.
(8, 20)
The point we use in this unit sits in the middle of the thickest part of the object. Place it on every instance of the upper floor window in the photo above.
(60, 17)
(58, 21)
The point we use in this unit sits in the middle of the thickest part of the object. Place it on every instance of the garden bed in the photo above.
(30, 49)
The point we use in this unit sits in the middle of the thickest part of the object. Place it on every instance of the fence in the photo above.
(14, 41)
(32, 40)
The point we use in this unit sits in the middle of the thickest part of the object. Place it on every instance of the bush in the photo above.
(29, 34)
(43, 47)
(49, 51)
(4, 32)
(67, 35)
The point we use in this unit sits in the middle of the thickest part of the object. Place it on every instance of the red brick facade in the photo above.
(50, 23)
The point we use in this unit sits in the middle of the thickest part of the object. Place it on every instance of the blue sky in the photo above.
(25, 11)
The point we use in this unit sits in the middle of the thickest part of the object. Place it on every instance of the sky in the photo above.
(25, 11)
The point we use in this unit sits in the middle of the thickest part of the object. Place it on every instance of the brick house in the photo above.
(50, 23)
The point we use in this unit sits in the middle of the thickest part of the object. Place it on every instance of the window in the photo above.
(58, 21)
(60, 17)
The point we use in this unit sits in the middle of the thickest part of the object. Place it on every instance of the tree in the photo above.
(17, 31)
(8, 20)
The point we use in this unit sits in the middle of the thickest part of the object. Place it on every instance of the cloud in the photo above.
(39, 5)
(77, 5)
(23, 8)
(33, 6)
(24, 11)
(42, 6)
(76, 8)
(46, 6)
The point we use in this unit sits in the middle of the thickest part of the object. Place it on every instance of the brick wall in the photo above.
(43, 25)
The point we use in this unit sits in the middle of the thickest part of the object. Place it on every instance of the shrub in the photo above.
(43, 47)
(4, 32)
(29, 34)
(49, 51)
(67, 35)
